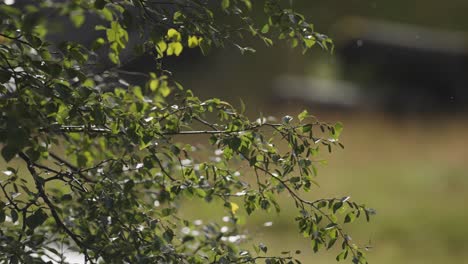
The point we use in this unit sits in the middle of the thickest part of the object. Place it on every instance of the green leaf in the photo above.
(205, 46)
(14, 215)
(337, 206)
(114, 57)
(331, 243)
(154, 83)
(309, 42)
(99, 4)
(168, 235)
(248, 4)
(368, 213)
(342, 255)
(36, 219)
(53, 69)
(164, 90)
(174, 48)
(161, 47)
(62, 114)
(174, 35)
(200, 192)
(350, 217)
(225, 4)
(9, 152)
(306, 128)
(77, 18)
(99, 27)
(193, 41)
(2, 215)
(178, 16)
(337, 128)
(234, 207)
(129, 185)
(4, 76)
(322, 203)
(33, 154)
(263, 247)
(268, 42)
(316, 245)
(107, 14)
(303, 115)
(98, 43)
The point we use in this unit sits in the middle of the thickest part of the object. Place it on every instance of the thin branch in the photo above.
(45, 198)
(70, 166)
(10, 200)
(17, 38)
(217, 132)
(101, 130)
(205, 123)
(311, 203)
(162, 169)
(40, 166)
(254, 259)
(130, 73)
(98, 165)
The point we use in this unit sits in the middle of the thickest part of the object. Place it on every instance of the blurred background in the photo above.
(398, 80)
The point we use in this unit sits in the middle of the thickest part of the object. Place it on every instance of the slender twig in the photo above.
(100, 130)
(264, 257)
(10, 200)
(40, 166)
(97, 165)
(130, 73)
(217, 132)
(45, 198)
(17, 38)
(70, 166)
(206, 123)
(162, 168)
(311, 203)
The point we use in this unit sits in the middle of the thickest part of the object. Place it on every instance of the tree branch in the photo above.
(312, 204)
(74, 169)
(45, 198)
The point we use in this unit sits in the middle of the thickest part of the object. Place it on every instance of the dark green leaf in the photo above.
(99, 4)
(337, 206)
(2, 215)
(263, 247)
(9, 152)
(331, 243)
(306, 128)
(14, 215)
(337, 129)
(4, 76)
(168, 235)
(36, 219)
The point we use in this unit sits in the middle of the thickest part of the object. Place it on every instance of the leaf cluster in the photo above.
(98, 163)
